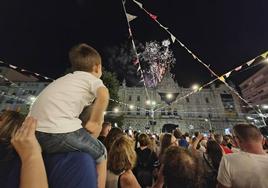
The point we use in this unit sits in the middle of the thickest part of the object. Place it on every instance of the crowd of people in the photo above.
(64, 142)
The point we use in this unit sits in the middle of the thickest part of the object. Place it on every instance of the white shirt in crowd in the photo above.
(244, 170)
(59, 105)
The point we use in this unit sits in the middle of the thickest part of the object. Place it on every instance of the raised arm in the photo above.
(33, 173)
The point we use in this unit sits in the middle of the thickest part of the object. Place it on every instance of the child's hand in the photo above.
(94, 128)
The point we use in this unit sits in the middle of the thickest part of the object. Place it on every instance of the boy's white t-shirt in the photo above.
(244, 170)
(59, 105)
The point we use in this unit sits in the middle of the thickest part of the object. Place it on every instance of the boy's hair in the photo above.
(83, 58)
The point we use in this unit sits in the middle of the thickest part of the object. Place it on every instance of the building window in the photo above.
(129, 98)
(175, 112)
(187, 99)
(163, 112)
(147, 113)
(138, 98)
(138, 111)
(207, 101)
(169, 112)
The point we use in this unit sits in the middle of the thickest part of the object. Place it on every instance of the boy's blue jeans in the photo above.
(79, 140)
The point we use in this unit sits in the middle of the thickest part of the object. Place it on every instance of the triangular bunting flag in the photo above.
(250, 62)
(173, 38)
(265, 55)
(222, 79)
(228, 74)
(2, 62)
(199, 89)
(154, 17)
(194, 56)
(138, 3)
(238, 68)
(130, 17)
(12, 66)
(36, 74)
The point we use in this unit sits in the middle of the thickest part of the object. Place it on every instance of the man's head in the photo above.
(85, 58)
(247, 135)
(218, 138)
(106, 127)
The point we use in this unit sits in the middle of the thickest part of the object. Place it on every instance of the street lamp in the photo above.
(169, 96)
(148, 102)
(116, 110)
(153, 103)
(131, 107)
(264, 107)
(195, 87)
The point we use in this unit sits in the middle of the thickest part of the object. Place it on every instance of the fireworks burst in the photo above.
(158, 58)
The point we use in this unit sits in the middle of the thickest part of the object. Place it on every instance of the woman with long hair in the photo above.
(121, 161)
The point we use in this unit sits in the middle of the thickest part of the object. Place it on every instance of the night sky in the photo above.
(37, 35)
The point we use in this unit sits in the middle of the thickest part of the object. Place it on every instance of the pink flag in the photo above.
(238, 68)
(154, 17)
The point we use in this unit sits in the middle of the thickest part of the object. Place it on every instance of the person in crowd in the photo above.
(167, 140)
(106, 127)
(59, 105)
(197, 146)
(248, 168)
(227, 141)
(219, 139)
(178, 134)
(31, 163)
(211, 161)
(112, 135)
(10, 122)
(147, 161)
(182, 168)
(33, 173)
(183, 141)
(121, 160)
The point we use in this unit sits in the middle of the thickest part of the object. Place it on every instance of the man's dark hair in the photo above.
(182, 168)
(247, 132)
(83, 58)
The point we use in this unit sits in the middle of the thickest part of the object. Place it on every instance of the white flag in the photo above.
(12, 66)
(250, 62)
(238, 68)
(228, 74)
(130, 17)
(173, 38)
(138, 3)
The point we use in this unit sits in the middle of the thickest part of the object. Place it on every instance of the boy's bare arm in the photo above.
(94, 124)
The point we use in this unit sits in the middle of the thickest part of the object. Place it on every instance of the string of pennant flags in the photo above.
(23, 90)
(174, 39)
(24, 71)
(129, 18)
(252, 62)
